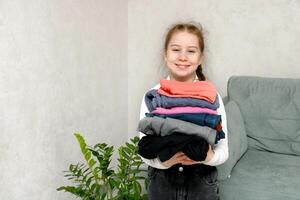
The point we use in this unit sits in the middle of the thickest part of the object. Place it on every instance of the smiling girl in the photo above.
(181, 177)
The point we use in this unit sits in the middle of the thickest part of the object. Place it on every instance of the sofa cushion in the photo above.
(237, 139)
(271, 110)
(262, 175)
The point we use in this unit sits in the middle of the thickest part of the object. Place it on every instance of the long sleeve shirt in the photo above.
(220, 149)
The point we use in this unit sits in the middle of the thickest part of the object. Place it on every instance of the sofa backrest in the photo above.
(271, 111)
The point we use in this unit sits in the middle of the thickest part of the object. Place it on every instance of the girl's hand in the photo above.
(209, 156)
(188, 161)
(179, 157)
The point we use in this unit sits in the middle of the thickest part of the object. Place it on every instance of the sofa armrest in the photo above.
(225, 100)
(237, 139)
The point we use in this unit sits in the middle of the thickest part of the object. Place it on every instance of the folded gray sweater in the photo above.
(162, 127)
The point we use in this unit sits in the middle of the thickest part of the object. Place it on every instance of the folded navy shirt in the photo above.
(153, 100)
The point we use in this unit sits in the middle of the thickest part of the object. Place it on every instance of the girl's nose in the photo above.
(182, 56)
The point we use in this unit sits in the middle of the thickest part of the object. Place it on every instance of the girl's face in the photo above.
(183, 56)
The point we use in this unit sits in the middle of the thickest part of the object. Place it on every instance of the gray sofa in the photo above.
(263, 117)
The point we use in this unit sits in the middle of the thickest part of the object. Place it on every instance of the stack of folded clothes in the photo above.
(182, 117)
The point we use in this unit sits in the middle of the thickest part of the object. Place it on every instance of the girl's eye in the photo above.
(175, 50)
(192, 51)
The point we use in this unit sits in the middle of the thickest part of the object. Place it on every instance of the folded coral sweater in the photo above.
(199, 89)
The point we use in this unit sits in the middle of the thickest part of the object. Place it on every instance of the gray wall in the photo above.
(257, 37)
(63, 69)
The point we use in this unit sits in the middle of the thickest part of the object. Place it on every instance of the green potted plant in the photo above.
(97, 180)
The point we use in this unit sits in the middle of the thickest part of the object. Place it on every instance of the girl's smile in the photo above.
(182, 66)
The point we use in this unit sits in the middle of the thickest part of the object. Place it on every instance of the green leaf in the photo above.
(126, 156)
(92, 163)
(137, 187)
(135, 140)
(110, 172)
(134, 171)
(114, 183)
(81, 142)
(137, 163)
(131, 146)
(88, 182)
(128, 151)
(95, 153)
(77, 191)
(123, 162)
(102, 196)
(87, 155)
